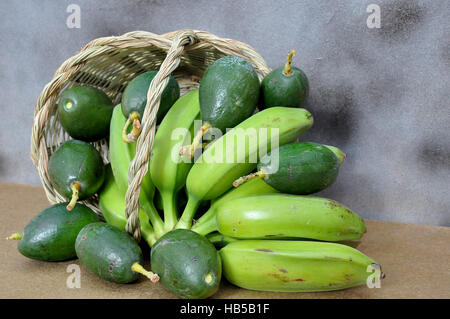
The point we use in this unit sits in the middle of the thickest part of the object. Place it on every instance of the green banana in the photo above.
(207, 223)
(112, 204)
(225, 160)
(296, 266)
(121, 155)
(288, 216)
(168, 169)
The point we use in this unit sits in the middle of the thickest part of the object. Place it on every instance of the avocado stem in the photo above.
(196, 143)
(15, 236)
(287, 67)
(136, 267)
(75, 187)
(135, 132)
(243, 179)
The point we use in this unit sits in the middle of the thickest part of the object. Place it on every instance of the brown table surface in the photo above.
(415, 258)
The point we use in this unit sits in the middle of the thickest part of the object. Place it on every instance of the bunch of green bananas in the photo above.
(269, 240)
(277, 242)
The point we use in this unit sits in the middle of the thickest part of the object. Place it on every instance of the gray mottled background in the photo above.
(382, 95)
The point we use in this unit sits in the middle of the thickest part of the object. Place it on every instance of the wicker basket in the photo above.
(109, 64)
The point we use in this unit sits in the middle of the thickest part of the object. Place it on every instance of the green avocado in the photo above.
(108, 252)
(303, 168)
(76, 162)
(229, 92)
(134, 98)
(187, 263)
(279, 89)
(85, 113)
(51, 235)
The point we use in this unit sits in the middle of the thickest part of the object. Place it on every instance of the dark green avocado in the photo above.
(229, 92)
(51, 235)
(108, 252)
(85, 113)
(134, 97)
(76, 162)
(285, 86)
(187, 263)
(303, 168)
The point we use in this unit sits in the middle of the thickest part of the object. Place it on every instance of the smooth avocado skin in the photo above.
(229, 92)
(51, 235)
(304, 168)
(85, 113)
(134, 97)
(76, 161)
(108, 252)
(279, 89)
(188, 264)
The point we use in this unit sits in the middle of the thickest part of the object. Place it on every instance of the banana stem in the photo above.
(150, 239)
(185, 221)
(243, 179)
(219, 240)
(136, 267)
(15, 236)
(170, 210)
(207, 225)
(287, 67)
(196, 143)
(155, 219)
(148, 233)
(75, 187)
(135, 132)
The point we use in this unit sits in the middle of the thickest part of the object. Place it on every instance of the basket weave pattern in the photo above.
(109, 64)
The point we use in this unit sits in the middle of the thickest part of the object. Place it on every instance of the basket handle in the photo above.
(139, 165)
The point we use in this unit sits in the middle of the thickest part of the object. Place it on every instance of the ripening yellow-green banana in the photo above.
(112, 204)
(296, 266)
(207, 222)
(121, 155)
(168, 168)
(288, 216)
(236, 154)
